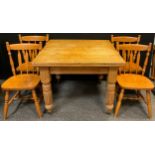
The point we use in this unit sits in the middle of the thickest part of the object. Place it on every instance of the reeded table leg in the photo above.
(112, 75)
(47, 91)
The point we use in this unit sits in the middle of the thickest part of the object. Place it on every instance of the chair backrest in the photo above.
(22, 53)
(34, 39)
(125, 39)
(131, 53)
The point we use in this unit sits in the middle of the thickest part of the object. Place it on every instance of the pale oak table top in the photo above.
(70, 53)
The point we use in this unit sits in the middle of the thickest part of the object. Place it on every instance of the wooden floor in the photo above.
(78, 100)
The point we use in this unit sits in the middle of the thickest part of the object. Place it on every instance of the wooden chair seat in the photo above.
(134, 81)
(24, 67)
(21, 82)
(131, 68)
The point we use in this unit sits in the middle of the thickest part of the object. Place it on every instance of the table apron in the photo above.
(79, 70)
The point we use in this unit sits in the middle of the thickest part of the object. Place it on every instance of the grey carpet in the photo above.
(78, 100)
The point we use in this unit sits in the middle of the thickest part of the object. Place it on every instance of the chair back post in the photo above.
(112, 39)
(147, 58)
(138, 39)
(47, 38)
(20, 38)
(11, 59)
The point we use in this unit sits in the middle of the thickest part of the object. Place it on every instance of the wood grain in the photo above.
(78, 53)
(21, 81)
(47, 91)
(33, 38)
(125, 39)
(134, 80)
(78, 57)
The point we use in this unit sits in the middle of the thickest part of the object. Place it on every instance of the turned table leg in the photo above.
(47, 91)
(110, 96)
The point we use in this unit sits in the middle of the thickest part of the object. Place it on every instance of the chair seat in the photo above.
(134, 81)
(133, 67)
(21, 82)
(24, 67)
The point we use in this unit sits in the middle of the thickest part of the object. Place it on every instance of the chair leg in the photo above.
(37, 104)
(119, 102)
(148, 100)
(117, 91)
(6, 105)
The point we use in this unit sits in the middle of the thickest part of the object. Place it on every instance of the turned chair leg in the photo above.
(6, 105)
(148, 100)
(119, 102)
(37, 104)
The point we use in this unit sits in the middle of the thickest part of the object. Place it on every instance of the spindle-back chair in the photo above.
(133, 81)
(125, 39)
(31, 39)
(29, 80)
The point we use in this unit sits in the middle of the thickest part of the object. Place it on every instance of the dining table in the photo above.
(78, 57)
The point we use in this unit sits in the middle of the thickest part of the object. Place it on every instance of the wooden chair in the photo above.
(31, 39)
(125, 39)
(21, 81)
(34, 39)
(134, 81)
